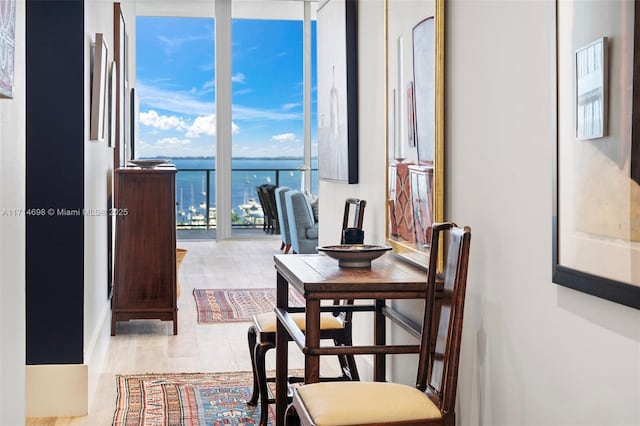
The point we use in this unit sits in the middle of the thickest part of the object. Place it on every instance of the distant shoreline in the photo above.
(233, 158)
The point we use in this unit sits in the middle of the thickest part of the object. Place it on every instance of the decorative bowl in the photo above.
(147, 164)
(354, 255)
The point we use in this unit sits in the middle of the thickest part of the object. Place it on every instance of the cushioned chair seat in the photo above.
(369, 402)
(267, 321)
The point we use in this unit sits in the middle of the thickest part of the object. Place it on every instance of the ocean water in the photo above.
(247, 174)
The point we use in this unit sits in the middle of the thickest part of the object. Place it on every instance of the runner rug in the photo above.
(237, 305)
(187, 399)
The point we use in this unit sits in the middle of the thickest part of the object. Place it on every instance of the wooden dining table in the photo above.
(318, 277)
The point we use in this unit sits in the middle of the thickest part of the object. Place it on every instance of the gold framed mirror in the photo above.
(415, 124)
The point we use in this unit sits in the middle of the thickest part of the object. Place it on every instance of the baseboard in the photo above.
(96, 350)
(56, 390)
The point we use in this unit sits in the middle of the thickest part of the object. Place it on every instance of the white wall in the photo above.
(98, 175)
(12, 242)
(97, 165)
(533, 353)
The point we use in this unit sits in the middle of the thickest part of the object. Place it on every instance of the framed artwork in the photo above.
(596, 203)
(120, 36)
(591, 89)
(411, 116)
(98, 88)
(113, 95)
(415, 184)
(422, 202)
(337, 91)
(425, 96)
(7, 46)
(397, 148)
(132, 122)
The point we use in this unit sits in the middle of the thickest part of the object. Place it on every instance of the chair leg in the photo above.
(353, 369)
(261, 374)
(252, 338)
(291, 417)
(347, 362)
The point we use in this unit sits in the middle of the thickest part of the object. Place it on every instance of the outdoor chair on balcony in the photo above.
(432, 400)
(267, 197)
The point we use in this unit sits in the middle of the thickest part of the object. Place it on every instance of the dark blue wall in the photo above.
(55, 180)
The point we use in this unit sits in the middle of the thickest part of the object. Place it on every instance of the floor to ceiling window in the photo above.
(267, 111)
(176, 120)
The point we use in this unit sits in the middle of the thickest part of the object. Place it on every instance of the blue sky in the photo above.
(175, 85)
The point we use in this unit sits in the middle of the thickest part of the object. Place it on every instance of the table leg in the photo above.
(282, 352)
(312, 341)
(380, 366)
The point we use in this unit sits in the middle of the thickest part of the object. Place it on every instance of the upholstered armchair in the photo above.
(283, 220)
(303, 226)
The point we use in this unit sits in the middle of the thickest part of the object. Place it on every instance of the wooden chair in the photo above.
(262, 338)
(432, 400)
(349, 232)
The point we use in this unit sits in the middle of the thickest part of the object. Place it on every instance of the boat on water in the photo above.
(251, 212)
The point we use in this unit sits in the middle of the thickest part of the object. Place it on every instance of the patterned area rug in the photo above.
(187, 399)
(215, 305)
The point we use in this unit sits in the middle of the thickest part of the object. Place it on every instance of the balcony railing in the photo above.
(195, 195)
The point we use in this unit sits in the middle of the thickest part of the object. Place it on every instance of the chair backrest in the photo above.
(358, 213)
(262, 193)
(357, 206)
(283, 220)
(442, 326)
(270, 196)
(302, 224)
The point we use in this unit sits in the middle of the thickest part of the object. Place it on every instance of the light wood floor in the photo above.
(149, 346)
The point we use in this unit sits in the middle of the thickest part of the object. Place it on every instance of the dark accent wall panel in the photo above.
(55, 181)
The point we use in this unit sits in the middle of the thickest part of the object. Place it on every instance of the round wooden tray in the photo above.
(354, 255)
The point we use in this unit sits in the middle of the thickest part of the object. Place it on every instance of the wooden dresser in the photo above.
(145, 246)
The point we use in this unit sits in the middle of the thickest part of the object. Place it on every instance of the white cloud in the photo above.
(239, 78)
(165, 122)
(209, 84)
(183, 102)
(172, 45)
(244, 91)
(284, 137)
(173, 141)
(247, 113)
(207, 125)
(289, 106)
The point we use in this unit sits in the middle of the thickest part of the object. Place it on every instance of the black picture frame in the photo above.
(563, 272)
(132, 122)
(338, 91)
